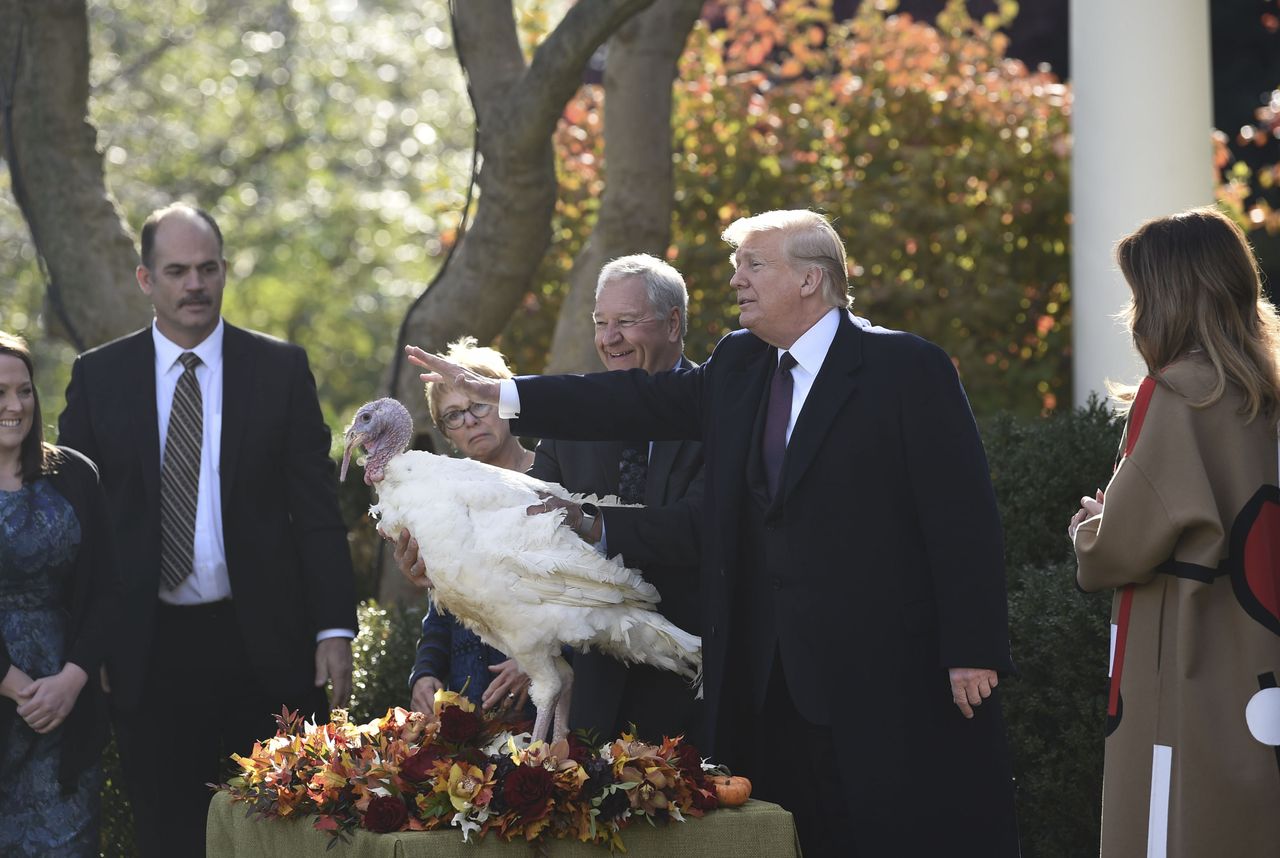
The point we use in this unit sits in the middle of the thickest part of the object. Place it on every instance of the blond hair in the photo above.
(808, 240)
(464, 352)
(1196, 286)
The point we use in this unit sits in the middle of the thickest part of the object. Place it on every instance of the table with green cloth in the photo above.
(756, 830)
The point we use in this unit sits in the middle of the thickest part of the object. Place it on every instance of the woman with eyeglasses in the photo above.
(450, 656)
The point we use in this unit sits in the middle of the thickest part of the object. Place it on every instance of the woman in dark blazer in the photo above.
(57, 588)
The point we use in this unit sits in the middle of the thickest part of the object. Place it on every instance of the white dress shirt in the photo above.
(810, 352)
(208, 581)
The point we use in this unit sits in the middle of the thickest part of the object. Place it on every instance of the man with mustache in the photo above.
(237, 578)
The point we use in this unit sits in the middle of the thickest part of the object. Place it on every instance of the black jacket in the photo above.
(91, 599)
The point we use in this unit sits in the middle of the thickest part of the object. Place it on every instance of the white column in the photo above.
(1141, 123)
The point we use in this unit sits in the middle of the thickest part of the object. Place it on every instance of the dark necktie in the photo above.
(180, 476)
(633, 469)
(776, 420)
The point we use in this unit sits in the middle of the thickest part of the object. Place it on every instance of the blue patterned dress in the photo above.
(39, 534)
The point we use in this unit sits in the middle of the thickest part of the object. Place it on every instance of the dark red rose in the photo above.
(705, 799)
(527, 791)
(614, 805)
(459, 725)
(385, 813)
(579, 751)
(689, 762)
(418, 768)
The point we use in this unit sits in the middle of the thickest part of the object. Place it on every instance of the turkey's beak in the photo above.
(353, 440)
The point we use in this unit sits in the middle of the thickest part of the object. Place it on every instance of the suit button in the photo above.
(712, 633)
(777, 583)
(722, 572)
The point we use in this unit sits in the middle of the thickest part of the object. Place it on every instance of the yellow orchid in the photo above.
(467, 787)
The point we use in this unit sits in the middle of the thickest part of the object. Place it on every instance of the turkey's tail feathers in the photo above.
(649, 638)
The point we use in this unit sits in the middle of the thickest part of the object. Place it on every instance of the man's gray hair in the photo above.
(808, 240)
(663, 284)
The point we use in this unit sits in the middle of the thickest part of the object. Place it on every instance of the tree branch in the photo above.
(556, 71)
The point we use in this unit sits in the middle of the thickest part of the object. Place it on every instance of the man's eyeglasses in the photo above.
(624, 323)
(453, 419)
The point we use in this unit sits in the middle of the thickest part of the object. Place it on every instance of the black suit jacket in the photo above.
(893, 561)
(661, 539)
(285, 542)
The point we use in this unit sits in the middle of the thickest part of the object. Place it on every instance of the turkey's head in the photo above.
(383, 428)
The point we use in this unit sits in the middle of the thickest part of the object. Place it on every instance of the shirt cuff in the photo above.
(508, 399)
(325, 634)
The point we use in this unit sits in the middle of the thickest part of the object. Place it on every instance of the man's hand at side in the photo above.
(333, 664)
(970, 686)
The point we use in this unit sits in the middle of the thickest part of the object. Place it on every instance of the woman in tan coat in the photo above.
(1188, 533)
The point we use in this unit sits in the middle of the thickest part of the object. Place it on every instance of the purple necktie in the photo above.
(776, 420)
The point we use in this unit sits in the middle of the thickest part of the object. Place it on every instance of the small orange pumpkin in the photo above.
(731, 791)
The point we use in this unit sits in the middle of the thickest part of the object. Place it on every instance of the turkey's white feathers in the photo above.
(524, 584)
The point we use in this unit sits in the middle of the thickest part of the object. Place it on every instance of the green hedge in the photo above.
(1054, 705)
(384, 652)
(1060, 636)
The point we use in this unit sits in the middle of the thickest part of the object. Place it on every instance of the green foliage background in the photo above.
(943, 164)
(331, 140)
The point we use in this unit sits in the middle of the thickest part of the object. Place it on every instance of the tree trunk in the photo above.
(56, 171)
(516, 108)
(516, 112)
(635, 208)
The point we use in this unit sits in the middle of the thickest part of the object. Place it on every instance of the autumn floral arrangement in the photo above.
(479, 773)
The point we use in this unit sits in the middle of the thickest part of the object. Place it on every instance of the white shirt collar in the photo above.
(167, 351)
(810, 350)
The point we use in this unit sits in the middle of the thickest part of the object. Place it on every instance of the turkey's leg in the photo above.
(560, 728)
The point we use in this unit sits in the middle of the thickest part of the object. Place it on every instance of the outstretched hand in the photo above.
(476, 387)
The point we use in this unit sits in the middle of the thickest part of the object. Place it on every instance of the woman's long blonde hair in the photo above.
(1196, 285)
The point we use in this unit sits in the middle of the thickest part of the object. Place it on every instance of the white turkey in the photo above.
(523, 583)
